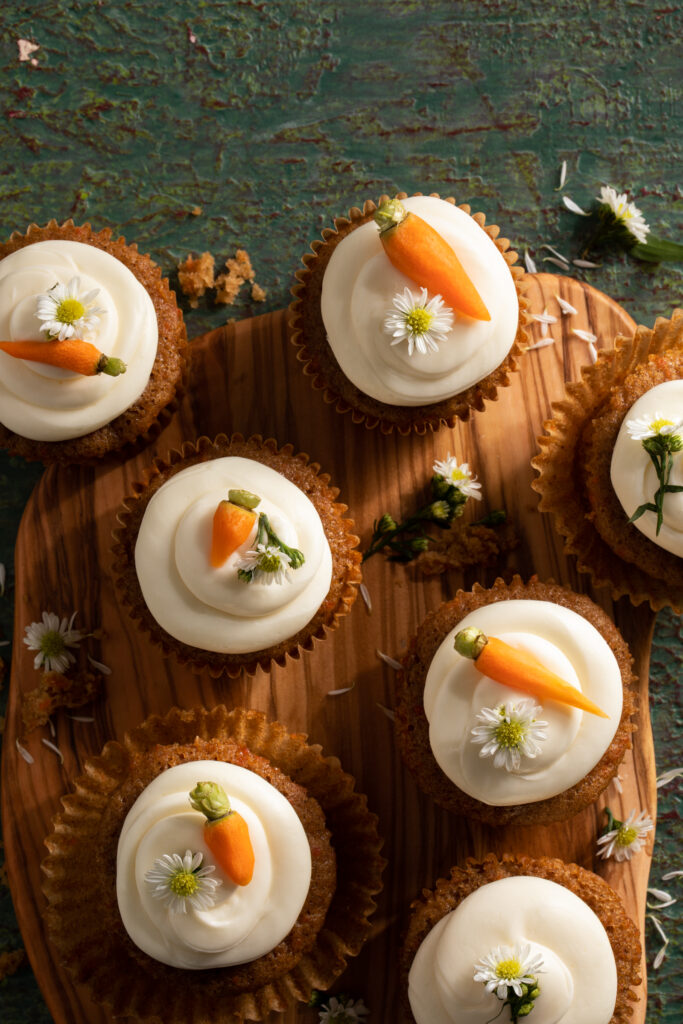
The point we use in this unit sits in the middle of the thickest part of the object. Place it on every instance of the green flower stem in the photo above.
(660, 449)
(296, 557)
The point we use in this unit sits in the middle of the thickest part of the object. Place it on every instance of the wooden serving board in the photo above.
(246, 379)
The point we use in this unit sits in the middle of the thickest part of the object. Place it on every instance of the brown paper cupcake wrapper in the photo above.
(82, 915)
(346, 574)
(412, 727)
(561, 471)
(143, 421)
(307, 333)
(431, 907)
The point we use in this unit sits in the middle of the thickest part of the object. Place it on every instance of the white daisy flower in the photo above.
(628, 213)
(65, 313)
(423, 324)
(626, 838)
(342, 1011)
(181, 880)
(458, 475)
(52, 638)
(509, 732)
(651, 426)
(508, 967)
(266, 563)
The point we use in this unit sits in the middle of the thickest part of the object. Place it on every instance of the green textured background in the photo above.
(274, 116)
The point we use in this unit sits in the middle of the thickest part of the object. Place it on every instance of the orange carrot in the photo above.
(231, 526)
(419, 252)
(226, 833)
(70, 354)
(519, 670)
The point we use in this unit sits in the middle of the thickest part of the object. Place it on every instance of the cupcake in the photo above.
(106, 348)
(234, 554)
(493, 747)
(148, 911)
(607, 461)
(498, 936)
(404, 340)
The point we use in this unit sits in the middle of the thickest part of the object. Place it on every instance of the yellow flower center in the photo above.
(418, 320)
(626, 835)
(69, 310)
(52, 643)
(508, 969)
(269, 563)
(657, 425)
(509, 734)
(183, 883)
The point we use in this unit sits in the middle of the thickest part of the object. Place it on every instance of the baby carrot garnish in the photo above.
(419, 252)
(71, 354)
(232, 524)
(519, 670)
(225, 832)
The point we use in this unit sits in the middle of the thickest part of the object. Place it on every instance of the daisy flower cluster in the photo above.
(510, 732)
(621, 839)
(66, 313)
(52, 638)
(661, 438)
(182, 881)
(424, 323)
(510, 973)
(270, 560)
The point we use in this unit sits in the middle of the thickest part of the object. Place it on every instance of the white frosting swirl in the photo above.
(455, 691)
(633, 475)
(579, 981)
(212, 608)
(246, 921)
(45, 403)
(357, 293)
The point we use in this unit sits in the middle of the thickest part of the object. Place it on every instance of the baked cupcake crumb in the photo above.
(195, 275)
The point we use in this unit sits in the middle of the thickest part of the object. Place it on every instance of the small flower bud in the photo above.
(525, 1009)
(419, 544)
(440, 511)
(535, 993)
(386, 524)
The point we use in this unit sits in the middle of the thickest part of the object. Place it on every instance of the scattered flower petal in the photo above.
(391, 662)
(54, 748)
(574, 207)
(563, 176)
(617, 784)
(391, 715)
(5, 643)
(555, 253)
(81, 718)
(104, 669)
(544, 318)
(585, 335)
(667, 777)
(51, 726)
(556, 263)
(29, 758)
(543, 343)
(592, 352)
(529, 263)
(671, 874)
(26, 48)
(365, 594)
(3, 576)
(338, 693)
(665, 899)
(586, 264)
(423, 323)
(659, 959)
(565, 306)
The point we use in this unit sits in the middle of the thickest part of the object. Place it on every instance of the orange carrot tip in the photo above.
(519, 670)
(232, 524)
(226, 833)
(70, 354)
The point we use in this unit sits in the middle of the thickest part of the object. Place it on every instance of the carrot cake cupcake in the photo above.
(611, 467)
(93, 347)
(500, 939)
(408, 313)
(514, 703)
(194, 876)
(235, 554)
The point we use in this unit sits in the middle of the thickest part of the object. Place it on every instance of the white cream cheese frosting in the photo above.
(578, 984)
(455, 692)
(246, 921)
(212, 608)
(357, 293)
(46, 403)
(633, 475)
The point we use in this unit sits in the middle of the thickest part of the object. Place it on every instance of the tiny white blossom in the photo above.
(508, 967)
(651, 426)
(458, 475)
(509, 732)
(267, 563)
(422, 323)
(65, 313)
(342, 1011)
(52, 638)
(628, 838)
(181, 880)
(628, 213)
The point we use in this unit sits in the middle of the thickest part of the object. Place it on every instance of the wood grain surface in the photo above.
(246, 378)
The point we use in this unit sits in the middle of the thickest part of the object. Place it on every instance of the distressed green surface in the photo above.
(275, 116)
